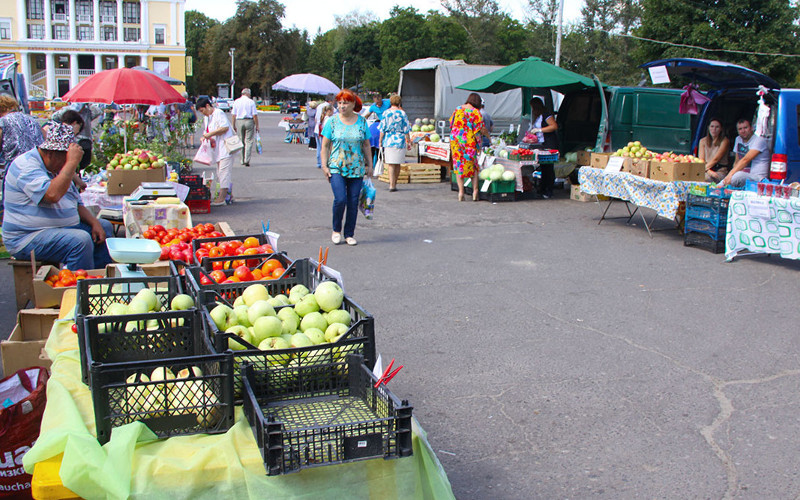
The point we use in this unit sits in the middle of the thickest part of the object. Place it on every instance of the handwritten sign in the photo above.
(615, 164)
(658, 74)
(758, 207)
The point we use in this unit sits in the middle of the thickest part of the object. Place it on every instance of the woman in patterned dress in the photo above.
(394, 139)
(466, 124)
(346, 159)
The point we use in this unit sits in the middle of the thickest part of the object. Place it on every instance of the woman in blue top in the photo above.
(346, 158)
(394, 139)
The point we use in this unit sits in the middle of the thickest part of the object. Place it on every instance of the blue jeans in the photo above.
(71, 246)
(345, 196)
(319, 152)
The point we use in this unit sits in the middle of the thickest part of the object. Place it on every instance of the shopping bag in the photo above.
(259, 147)
(377, 169)
(22, 401)
(233, 144)
(366, 199)
(204, 154)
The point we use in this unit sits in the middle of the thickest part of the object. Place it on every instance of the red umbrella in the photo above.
(124, 86)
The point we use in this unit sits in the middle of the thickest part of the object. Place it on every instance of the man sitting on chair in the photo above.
(43, 210)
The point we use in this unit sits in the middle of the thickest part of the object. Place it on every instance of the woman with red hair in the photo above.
(346, 159)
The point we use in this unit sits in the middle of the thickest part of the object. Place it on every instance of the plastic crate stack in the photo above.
(179, 373)
(705, 222)
(199, 198)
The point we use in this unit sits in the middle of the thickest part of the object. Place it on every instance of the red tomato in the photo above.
(81, 273)
(215, 234)
(218, 276)
(243, 273)
(157, 228)
(208, 228)
(208, 245)
(250, 242)
(149, 234)
(216, 265)
(266, 248)
(239, 250)
(204, 280)
(278, 272)
(175, 254)
(187, 256)
(216, 252)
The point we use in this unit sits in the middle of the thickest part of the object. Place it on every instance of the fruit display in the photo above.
(232, 248)
(176, 243)
(65, 277)
(145, 301)
(136, 159)
(635, 149)
(301, 319)
(270, 270)
(523, 154)
(424, 125)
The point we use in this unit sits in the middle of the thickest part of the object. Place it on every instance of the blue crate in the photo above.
(715, 230)
(546, 157)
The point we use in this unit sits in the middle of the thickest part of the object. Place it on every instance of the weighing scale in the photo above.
(153, 190)
(129, 253)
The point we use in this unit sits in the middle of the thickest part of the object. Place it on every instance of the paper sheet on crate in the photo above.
(272, 238)
(757, 207)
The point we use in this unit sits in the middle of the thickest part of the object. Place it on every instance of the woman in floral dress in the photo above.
(394, 139)
(466, 124)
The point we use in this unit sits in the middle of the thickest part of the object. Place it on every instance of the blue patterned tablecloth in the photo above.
(780, 233)
(663, 197)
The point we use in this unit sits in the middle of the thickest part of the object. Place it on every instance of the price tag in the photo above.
(615, 164)
(485, 186)
(757, 207)
(481, 158)
(272, 238)
(490, 161)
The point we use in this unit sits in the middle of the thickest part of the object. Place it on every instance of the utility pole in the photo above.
(343, 63)
(558, 32)
(231, 52)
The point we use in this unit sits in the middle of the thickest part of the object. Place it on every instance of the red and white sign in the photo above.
(435, 150)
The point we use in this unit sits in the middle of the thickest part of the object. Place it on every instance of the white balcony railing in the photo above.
(62, 71)
(108, 19)
(84, 18)
(60, 17)
(85, 72)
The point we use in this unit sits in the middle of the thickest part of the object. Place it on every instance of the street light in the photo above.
(231, 52)
(343, 63)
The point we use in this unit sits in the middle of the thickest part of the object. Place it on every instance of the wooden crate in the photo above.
(415, 173)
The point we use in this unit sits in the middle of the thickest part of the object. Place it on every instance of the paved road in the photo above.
(547, 356)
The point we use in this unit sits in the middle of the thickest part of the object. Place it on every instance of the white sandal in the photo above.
(351, 241)
(336, 238)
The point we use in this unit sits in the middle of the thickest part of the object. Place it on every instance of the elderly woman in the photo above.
(466, 124)
(394, 139)
(346, 159)
(217, 128)
(19, 132)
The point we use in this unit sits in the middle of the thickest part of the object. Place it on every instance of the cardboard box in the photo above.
(576, 194)
(673, 171)
(584, 158)
(638, 167)
(126, 181)
(25, 345)
(44, 295)
(23, 280)
(138, 217)
(599, 160)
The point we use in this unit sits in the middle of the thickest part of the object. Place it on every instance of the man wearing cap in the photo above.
(43, 210)
(245, 123)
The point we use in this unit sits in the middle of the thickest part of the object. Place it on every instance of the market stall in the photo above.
(295, 130)
(762, 224)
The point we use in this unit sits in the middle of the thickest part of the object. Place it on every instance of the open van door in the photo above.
(715, 74)
(602, 130)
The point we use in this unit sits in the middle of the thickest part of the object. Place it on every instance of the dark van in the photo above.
(733, 91)
(645, 114)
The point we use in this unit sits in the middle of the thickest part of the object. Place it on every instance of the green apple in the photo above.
(243, 333)
(329, 295)
(313, 320)
(306, 305)
(259, 309)
(335, 331)
(116, 309)
(138, 306)
(338, 316)
(297, 292)
(276, 343)
(254, 293)
(239, 301)
(301, 340)
(242, 316)
(181, 302)
(219, 315)
(316, 335)
(289, 325)
(265, 327)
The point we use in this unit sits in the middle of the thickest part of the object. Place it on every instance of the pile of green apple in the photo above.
(137, 159)
(301, 319)
(634, 150)
(145, 301)
(151, 395)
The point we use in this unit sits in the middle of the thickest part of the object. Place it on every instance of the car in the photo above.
(293, 107)
(224, 104)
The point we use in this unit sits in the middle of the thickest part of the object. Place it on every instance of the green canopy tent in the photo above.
(533, 73)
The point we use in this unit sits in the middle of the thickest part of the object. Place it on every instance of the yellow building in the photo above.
(57, 43)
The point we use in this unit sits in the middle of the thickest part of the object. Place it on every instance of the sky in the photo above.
(319, 14)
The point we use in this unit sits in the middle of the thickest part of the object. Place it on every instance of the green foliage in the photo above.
(749, 25)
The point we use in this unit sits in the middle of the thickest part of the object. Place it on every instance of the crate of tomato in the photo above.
(176, 243)
(229, 246)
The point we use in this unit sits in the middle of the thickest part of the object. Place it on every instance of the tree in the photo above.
(361, 51)
(768, 26)
(482, 21)
(450, 40)
(263, 49)
(197, 25)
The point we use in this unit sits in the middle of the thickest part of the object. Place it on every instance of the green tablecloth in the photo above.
(779, 233)
(225, 466)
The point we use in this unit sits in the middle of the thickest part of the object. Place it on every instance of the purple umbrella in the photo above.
(306, 83)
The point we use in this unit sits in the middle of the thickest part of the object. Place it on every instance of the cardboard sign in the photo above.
(615, 164)
(757, 207)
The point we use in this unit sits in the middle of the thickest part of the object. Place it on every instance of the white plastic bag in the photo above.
(377, 170)
(205, 154)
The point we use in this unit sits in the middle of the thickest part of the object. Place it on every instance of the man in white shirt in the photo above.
(752, 156)
(245, 123)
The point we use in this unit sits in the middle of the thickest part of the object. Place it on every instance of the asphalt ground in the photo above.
(548, 356)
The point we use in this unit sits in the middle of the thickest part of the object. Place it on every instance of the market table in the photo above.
(133, 464)
(295, 130)
(662, 197)
(762, 224)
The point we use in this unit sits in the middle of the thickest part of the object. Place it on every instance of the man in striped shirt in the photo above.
(43, 209)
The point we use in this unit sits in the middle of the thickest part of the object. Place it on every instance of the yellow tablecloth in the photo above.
(225, 466)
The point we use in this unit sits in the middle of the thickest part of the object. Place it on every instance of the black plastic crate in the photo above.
(356, 421)
(712, 229)
(299, 272)
(705, 241)
(230, 263)
(197, 402)
(495, 197)
(293, 372)
(198, 193)
(191, 180)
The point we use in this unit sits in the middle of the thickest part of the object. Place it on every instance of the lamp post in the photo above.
(231, 52)
(558, 32)
(343, 63)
